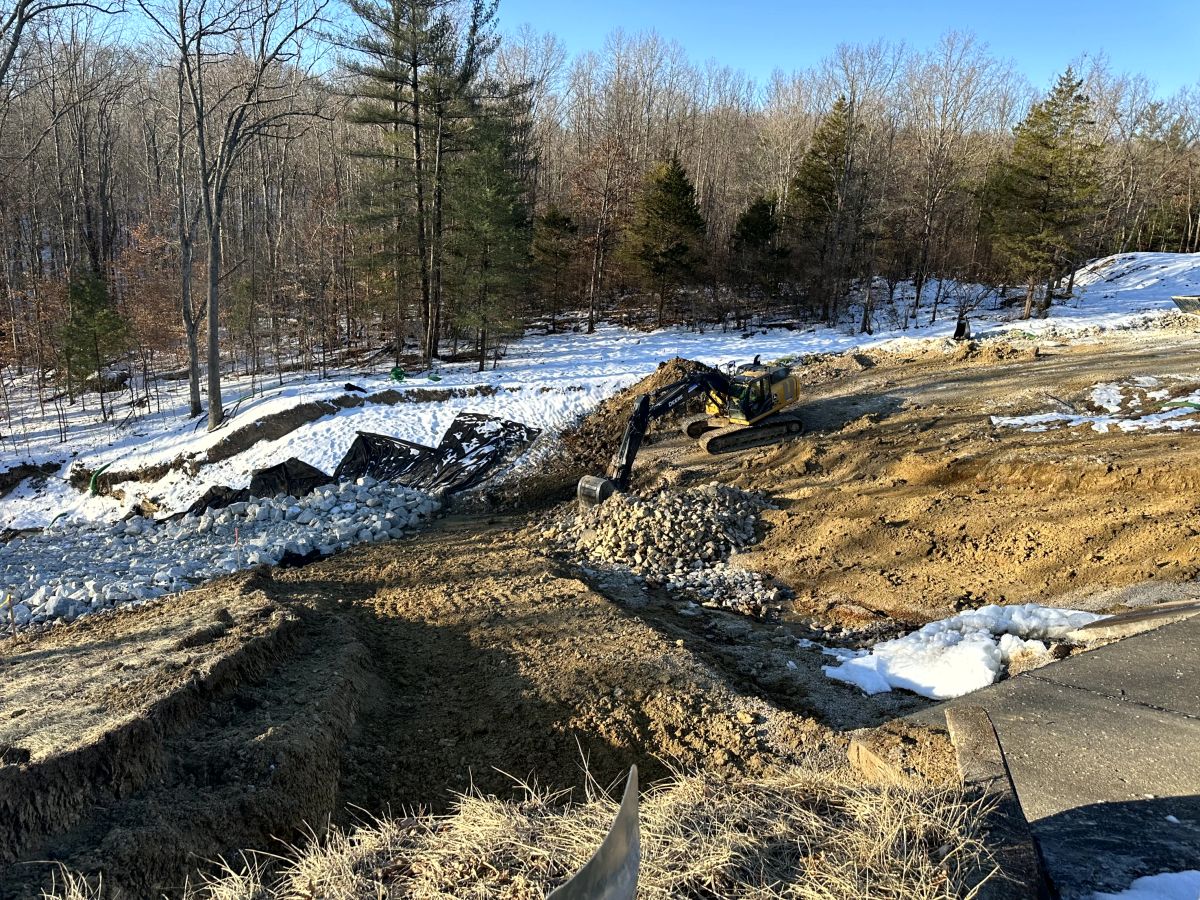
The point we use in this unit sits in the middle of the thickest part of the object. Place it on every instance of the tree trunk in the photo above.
(190, 327)
(216, 414)
(419, 183)
(434, 329)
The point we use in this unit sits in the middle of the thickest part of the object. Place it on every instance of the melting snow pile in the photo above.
(69, 570)
(1140, 404)
(1167, 886)
(956, 656)
(681, 541)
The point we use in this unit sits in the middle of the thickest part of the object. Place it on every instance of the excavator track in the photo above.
(742, 437)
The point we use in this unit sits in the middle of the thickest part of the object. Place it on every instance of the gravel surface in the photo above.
(685, 541)
(70, 570)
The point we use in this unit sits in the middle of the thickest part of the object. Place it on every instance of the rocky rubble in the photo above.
(683, 541)
(68, 570)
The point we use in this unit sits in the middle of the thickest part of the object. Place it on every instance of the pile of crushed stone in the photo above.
(682, 541)
(71, 569)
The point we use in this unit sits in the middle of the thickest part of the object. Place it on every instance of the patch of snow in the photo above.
(1181, 413)
(1108, 397)
(1166, 886)
(958, 655)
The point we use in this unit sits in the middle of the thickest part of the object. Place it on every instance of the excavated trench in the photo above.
(384, 679)
(170, 739)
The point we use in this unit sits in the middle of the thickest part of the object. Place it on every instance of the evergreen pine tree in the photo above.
(759, 257)
(555, 240)
(817, 209)
(399, 42)
(490, 246)
(94, 333)
(666, 239)
(1043, 196)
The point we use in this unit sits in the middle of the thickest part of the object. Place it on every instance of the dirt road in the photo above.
(145, 743)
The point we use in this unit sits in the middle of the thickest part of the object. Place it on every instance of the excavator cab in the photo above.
(749, 399)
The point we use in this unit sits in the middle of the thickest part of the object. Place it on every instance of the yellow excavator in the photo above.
(744, 408)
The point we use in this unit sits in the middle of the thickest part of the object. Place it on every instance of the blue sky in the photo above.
(1158, 38)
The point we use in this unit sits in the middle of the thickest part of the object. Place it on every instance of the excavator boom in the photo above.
(648, 407)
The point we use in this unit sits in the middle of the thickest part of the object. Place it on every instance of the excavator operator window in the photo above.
(758, 394)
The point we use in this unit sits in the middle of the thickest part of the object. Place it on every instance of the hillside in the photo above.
(544, 381)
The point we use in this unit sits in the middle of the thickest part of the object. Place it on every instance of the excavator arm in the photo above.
(646, 409)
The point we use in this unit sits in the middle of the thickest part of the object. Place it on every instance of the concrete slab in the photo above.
(1159, 668)
(1104, 753)
(1135, 621)
(1068, 747)
(982, 766)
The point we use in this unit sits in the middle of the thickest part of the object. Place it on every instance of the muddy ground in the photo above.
(904, 501)
(143, 745)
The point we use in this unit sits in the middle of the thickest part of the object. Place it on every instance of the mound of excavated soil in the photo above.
(587, 448)
(10, 478)
(903, 501)
(138, 744)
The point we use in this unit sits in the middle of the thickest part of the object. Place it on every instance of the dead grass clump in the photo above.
(799, 834)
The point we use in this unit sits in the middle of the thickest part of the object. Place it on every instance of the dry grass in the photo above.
(801, 834)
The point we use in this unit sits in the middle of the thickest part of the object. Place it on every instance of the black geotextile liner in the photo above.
(216, 497)
(292, 476)
(383, 457)
(472, 446)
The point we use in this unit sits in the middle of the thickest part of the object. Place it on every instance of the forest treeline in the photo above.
(216, 186)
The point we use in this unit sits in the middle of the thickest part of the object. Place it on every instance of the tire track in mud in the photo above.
(488, 664)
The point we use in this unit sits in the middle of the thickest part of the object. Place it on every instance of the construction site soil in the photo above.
(145, 744)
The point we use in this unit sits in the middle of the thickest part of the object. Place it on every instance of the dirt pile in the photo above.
(141, 742)
(678, 540)
(587, 448)
(10, 478)
(904, 501)
(995, 351)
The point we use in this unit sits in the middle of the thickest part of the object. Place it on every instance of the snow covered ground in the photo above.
(1144, 403)
(1167, 886)
(68, 569)
(958, 655)
(545, 381)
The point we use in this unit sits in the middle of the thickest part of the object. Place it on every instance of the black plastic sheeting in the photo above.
(216, 497)
(292, 476)
(473, 446)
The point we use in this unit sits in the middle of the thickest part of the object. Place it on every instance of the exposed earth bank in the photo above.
(143, 744)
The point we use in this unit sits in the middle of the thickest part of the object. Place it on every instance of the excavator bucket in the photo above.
(593, 490)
